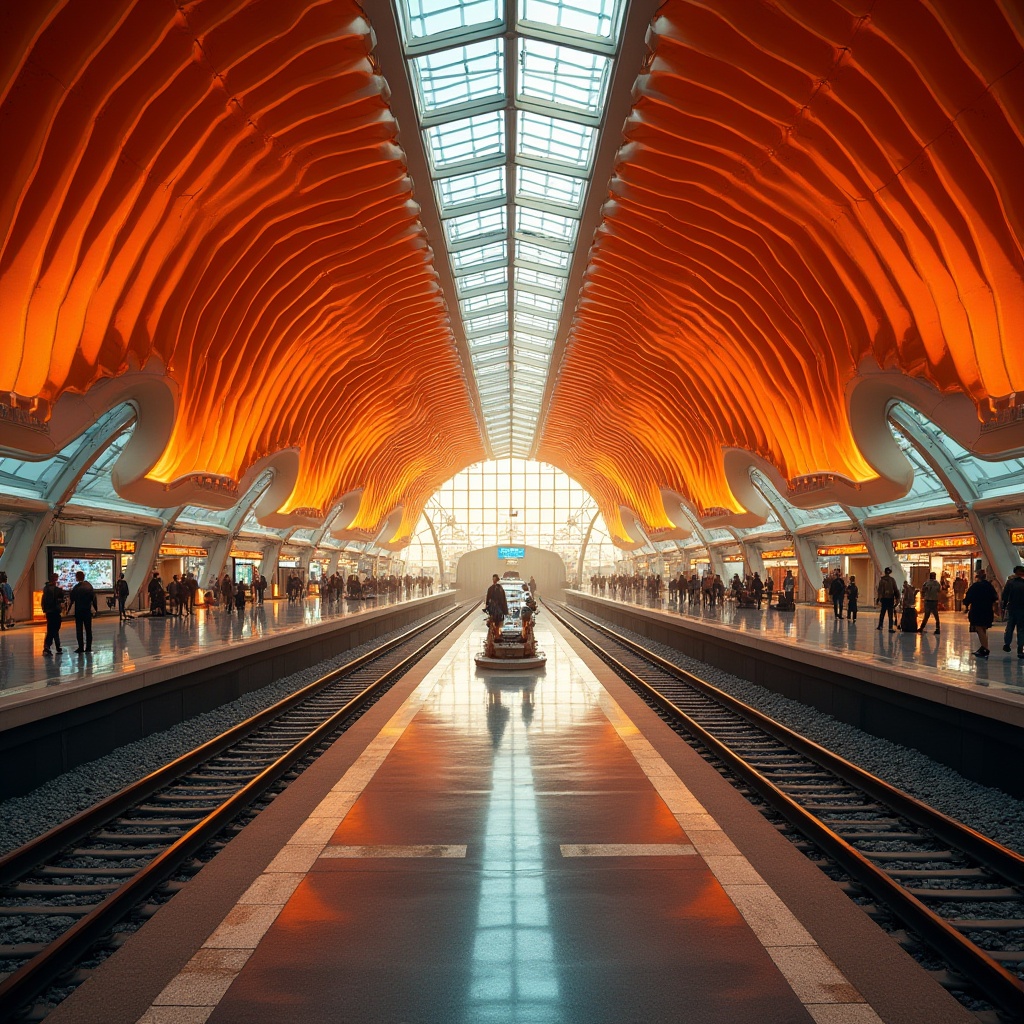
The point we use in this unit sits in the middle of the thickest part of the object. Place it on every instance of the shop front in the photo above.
(850, 560)
(777, 563)
(286, 567)
(245, 565)
(949, 557)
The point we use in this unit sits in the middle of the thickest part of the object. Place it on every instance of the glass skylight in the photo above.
(460, 77)
(458, 52)
(467, 189)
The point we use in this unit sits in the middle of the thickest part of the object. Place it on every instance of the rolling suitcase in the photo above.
(908, 620)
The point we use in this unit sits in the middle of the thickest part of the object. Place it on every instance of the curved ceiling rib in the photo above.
(807, 191)
(215, 187)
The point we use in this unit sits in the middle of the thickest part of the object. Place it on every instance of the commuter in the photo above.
(757, 586)
(769, 589)
(980, 603)
(174, 597)
(191, 589)
(6, 602)
(240, 596)
(1013, 608)
(533, 587)
(496, 603)
(959, 589)
(83, 600)
(718, 589)
(789, 587)
(227, 590)
(931, 592)
(261, 587)
(837, 591)
(886, 597)
(52, 605)
(157, 598)
(852, 595)
(121, 593)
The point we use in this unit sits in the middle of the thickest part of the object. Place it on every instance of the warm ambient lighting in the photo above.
(801, 189)
(218, 190)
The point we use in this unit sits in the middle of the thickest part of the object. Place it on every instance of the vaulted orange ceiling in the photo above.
(204, 210)
(215, 188)
(810, 194)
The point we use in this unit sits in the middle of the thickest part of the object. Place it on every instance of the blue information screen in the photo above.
(511, 552)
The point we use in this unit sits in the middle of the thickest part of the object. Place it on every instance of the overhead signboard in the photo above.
(832, 550)
(248, 556)
(779, 553)
(1017, 536)
(126, 547)
(506, 553)
(966, 540)
(181, 551)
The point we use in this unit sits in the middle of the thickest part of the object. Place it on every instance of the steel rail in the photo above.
(33, 977)
(1002, 987)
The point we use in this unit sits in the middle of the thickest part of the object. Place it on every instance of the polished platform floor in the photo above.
(510, 848)
(947, 657)
(143, 641)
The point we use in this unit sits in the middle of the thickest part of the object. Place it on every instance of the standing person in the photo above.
(261, 587)
(240, 595)
(837, 591)
(121, 593)
(227, 590)
(757, 586)
(533, 587)
(789, 586)
(852, 596)
(931, 591)
(52, 605)
(886, 597)
(1013, 607)
(6, 602)
(83, 600)
(980, 602)
(496, 603)
(769, 589)
(959, 589)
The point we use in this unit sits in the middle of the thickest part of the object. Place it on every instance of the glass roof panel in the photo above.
(562, 76)
(536, 301)
(424, 18)
(497, 299)
(476, 187)
(487, 324)
(467, 259)
(530, 278)
(598, 18)
(551, 138)
(532, 322)
(550, 187)
(474, 225)
(470, 138)
(496, 277)
(546, 225)
(543, 256)
(459, 77)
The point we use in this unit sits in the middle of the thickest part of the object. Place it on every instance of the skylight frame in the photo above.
(482, 86)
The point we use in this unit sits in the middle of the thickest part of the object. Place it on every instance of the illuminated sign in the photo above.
(780, 553)
(505, 553)
(842, 549)
(181, 551)
(127, 547)
(966, 540)
(252, 556)
(1017, 536)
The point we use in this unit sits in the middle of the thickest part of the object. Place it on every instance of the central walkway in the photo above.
(509, 848)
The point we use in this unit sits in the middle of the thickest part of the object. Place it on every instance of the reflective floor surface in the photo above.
(455, 889)
(947, 657)
(120, 647)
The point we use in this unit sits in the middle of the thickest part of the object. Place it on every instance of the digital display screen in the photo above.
(98, 569)
(506, 553)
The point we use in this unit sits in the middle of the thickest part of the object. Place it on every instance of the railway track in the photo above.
(68, 889)
(960, 894)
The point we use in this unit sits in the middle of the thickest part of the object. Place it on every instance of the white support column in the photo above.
(147, 547)
(994, 538)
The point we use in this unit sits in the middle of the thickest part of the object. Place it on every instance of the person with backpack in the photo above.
(886, 597)
(1013, 608)
(837, 591)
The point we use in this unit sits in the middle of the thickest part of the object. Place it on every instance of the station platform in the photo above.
(522, 848)
(147, 674)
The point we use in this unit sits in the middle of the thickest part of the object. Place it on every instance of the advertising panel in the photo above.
(100, 567)
(510, 552)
